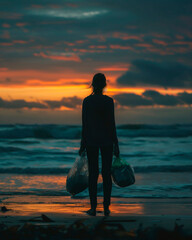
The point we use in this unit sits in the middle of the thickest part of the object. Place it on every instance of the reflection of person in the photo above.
(99, 132)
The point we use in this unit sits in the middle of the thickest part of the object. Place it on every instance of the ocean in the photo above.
(35, 160)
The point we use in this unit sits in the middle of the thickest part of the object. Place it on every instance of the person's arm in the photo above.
(82, 145)
(114, 132)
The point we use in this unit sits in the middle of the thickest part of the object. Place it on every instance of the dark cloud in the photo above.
(163, 74)
(160, 99)
(132, 100)
(153, 98)
(46, 27)
(114, 33)
(8, 80)
(185, 97)
(20, 103)
(148, 98)
(69, 102)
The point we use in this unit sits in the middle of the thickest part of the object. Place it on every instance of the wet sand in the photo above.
(30, 205)
(63, 217)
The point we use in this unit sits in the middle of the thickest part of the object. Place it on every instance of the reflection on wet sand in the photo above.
(27, 182)
(32, 205)
(26, 205)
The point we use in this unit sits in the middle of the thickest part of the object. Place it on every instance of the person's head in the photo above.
(98, 83)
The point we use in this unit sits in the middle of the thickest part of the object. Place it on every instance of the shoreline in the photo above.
(60, 205)
(43, 217)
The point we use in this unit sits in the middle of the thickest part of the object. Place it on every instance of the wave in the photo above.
(139, 130)
(84, 196)
(45, 152)
(37, 192)
(53, 131)
(173, 192)
(160, 168)
(40, 131)
(23, 142)
(30, 170)
(11, 149)
(146, 191)
(55, 171)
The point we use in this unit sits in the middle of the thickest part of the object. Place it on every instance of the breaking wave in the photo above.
(137, 169)
(52, 131)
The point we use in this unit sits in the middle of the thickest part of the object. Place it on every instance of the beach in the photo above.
(105, 80)
(34, 163)
(138, 219)
(57, 217)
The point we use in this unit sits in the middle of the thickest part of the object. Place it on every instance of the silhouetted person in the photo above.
(99, 132)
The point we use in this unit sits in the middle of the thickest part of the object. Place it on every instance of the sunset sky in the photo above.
(50, 50)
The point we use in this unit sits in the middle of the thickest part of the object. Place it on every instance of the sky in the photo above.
(50, 51)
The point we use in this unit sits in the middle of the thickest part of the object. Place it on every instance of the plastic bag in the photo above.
(77, 178)
(122, 173)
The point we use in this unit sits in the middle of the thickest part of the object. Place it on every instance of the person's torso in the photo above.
(97, 116)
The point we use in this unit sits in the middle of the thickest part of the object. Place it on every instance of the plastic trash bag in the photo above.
(77, 178)
(122, 173)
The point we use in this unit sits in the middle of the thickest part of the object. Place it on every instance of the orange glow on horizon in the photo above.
(55, 85)
(57, 92)
(43, 93)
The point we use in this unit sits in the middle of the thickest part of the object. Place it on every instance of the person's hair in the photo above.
(98, 83)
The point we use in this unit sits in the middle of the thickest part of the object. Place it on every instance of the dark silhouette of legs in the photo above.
(93, 165)
(107, 156)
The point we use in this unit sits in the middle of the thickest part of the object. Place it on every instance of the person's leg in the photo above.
(93, 165)
(107, 156)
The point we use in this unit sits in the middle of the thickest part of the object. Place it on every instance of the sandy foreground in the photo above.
(137, 219)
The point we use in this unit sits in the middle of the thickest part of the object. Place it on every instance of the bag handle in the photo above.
(118, 162)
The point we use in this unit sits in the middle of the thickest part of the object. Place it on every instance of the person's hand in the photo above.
(116, 150)
(81, 150)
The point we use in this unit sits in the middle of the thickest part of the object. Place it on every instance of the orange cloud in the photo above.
(160, 42)
(6, 44)
(115, 68)
(81, 41)
(69, 44)
(121, 47)
(183, 43)
(100, 46)
(20, 24)
(6, 25)
(72, 57)
(145, 45)
(19, 41)
(167, 51)
(3, 69)
(89, 50)
(125, 36)
(112, 69)
(179, 37)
